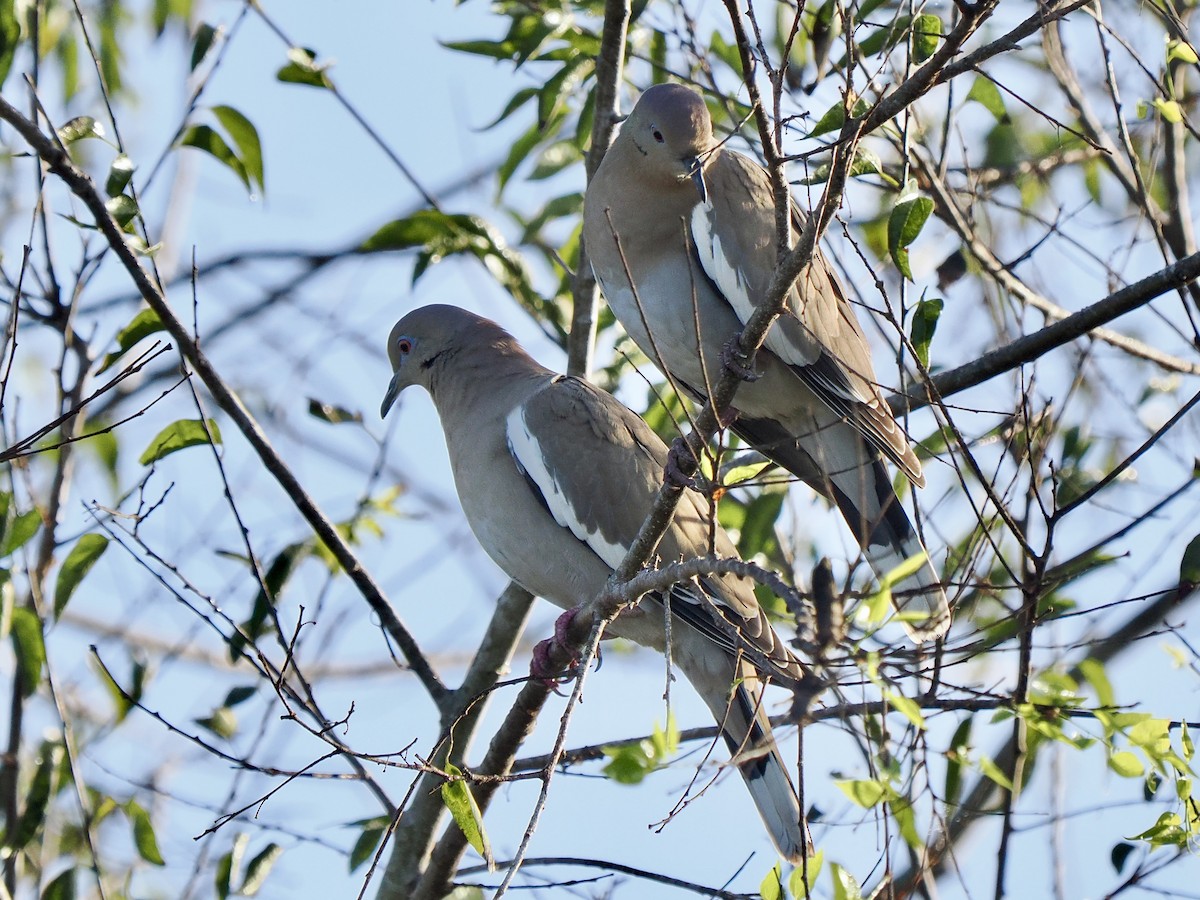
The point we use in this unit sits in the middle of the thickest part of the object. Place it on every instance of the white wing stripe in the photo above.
(732, 284)
(527, 452)
(717, 265)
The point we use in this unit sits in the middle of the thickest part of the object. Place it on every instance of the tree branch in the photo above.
(416, 827)
(976, 803)
(81, 185)
(610, 65)
(1032, 346)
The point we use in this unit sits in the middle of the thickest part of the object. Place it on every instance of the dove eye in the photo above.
(404, 345)
(658, 135)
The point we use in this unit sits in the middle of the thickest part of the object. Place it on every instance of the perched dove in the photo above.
(555, 477)
(681, 236)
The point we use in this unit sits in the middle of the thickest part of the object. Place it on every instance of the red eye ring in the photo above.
(404, 345)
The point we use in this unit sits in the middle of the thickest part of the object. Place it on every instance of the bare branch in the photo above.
(82, 186)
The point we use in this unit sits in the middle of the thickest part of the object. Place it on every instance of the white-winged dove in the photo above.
(555, 477)
(681, 236)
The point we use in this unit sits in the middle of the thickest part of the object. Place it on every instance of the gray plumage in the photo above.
(681, 237)
(555, 477)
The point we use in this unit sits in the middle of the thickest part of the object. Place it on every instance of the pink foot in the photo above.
(673, 473)
(735, 361)
(540, 666)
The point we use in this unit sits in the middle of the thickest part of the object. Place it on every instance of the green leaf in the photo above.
(1093, 672)
(223, 722)
(239, 695)
(865, 8)
(1092, 170)
(20, 531)
(985, 93)
(883, 38)
(62, 887)
(811, 869)
(926, 34)
(993, 771)
(10, 36)
(441, 234)
(771, 887)
(866, 793)
(78, 563)
(1153, 736)
(520, 149)
(906, 818)
(143, 834)
(844, 885)
(144, 324)
(245, 136)
(302, 68)
(135, 243)
(466, 813)
(110, 16)
(1166, 831)
(122, 208)
(123, 700)
(368, 840)
(554, 159)
(206, 138)
(1152, 784)
(202, 43)
(178, 435)
(560, 86)
(425, 228)
(1189, 566)
(30, 648)
(80, 128)
(909, 708)
(259, 868)
(277, 575)
(905, 569)
(874, 607)
(924, 324)
(904, 224)
(119, 175)
(491, 49)
(758, 530)
(230, 863)
(866, 162)
(1170, 110)
(725, 51)
(334, 415)
(1126, 765)
(515, 102)
(628, 763)
(36, 797)
(566, 206)
(835, 117)
(665, 740)
(1120, 853)
(1177, 50)
(956, 754)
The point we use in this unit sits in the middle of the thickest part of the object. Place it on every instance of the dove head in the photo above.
(672, 129)
(442, 345)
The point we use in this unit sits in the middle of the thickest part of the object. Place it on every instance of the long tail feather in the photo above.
(747, 733)
(832, 458)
